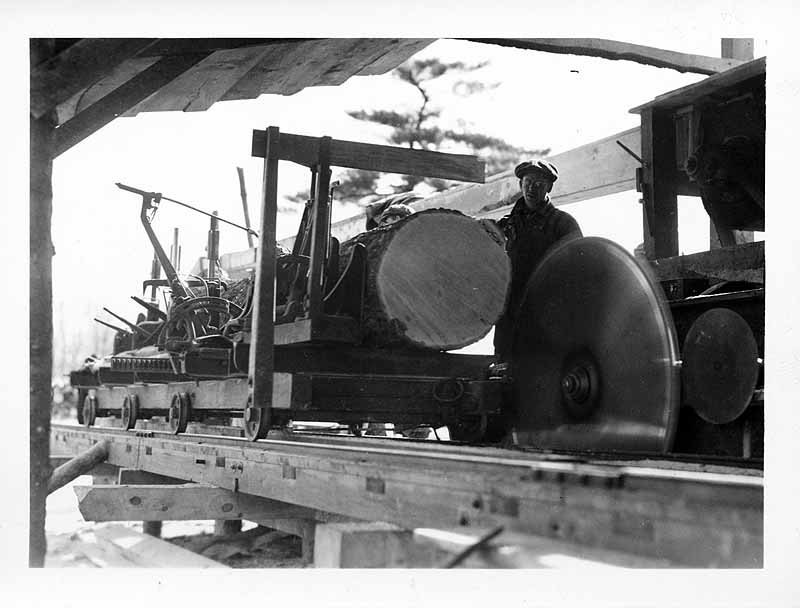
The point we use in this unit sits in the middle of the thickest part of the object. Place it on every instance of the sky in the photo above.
(541, 100)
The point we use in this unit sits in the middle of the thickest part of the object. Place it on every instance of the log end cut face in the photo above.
(443, 279)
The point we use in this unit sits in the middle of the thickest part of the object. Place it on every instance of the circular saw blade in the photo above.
(720, 365)
(595, 354)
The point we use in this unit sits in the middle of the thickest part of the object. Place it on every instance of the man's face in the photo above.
(534, 188)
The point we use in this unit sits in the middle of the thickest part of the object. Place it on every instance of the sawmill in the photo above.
(627, 427)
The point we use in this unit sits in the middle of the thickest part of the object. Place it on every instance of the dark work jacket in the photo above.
(529, 235)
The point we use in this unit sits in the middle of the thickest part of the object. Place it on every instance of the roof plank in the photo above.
(713, 85)
(614, 49)
(203, 85)
(116, 78)
(77, 67)
(122, 99)
(396, 51)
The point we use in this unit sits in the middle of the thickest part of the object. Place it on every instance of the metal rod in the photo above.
(243, 193)
(172, 200)
(480, 543)
(128, 323)
(151, 307)
(114, 327)
(631, 152)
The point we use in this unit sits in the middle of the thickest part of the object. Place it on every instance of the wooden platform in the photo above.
(688, 518)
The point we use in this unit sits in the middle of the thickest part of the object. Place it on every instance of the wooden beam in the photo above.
(739, 263)
(713, 85)
(613, 49)
(134, 477)
(596, 169)
(180, 502)
(80, 465)
(659, 189)
(737, 48)
(78, 67)
(203, 85)
(122, 99)
(395, 52)
(304, 150)
(112, 80)
(40, 320)
(148, 551)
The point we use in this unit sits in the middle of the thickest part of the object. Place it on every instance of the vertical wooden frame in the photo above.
(660, 191)
(261, 362)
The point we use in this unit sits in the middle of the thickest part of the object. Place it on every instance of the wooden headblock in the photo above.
(304, 150)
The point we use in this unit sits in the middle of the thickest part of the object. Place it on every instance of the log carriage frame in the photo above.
(311, 366)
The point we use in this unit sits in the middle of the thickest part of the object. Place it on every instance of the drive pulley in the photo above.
(595, 360)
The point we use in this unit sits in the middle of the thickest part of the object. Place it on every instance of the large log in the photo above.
(436, 280)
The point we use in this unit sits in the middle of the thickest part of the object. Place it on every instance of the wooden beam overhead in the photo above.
(743, 262)
(616, 50)
(77, 67)
(122, 99)
(304, 150)
(191, 46)
(204, 84)
(711, 86)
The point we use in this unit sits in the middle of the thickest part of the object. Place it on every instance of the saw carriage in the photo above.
(359, 332)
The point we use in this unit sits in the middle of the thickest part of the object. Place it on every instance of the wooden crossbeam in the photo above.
(169, 502)
(77, 67)
(738, 263)
(122, 99)
(614, 49)
(596, 169)
(304, 150)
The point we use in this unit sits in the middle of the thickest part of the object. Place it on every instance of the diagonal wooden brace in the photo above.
(80, 465)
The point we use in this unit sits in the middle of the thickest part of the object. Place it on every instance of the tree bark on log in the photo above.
(436, 280)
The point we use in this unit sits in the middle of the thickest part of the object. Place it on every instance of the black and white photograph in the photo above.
(329, 304)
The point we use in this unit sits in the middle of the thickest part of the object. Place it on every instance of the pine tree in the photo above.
(418, 130)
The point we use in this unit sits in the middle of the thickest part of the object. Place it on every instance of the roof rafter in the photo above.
(77, 67)
(614, 49)
(122, 99)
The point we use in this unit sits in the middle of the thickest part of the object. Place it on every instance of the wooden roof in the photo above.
(719, 86)
(83, 84)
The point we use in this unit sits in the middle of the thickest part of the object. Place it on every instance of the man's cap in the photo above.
(539, 167)
(395, 210)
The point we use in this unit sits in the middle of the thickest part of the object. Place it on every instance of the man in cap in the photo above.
(376, 210)
(531, 229)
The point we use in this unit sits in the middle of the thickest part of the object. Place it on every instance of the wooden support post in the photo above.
(305, 528)
(80, 465)
(152, 528)
(742, 50)
(659, 184)
(262, 353)
(226, 527)
(41, 314)
(368, 545)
